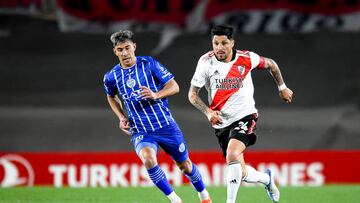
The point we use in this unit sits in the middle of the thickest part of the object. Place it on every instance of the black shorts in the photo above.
(242, 130)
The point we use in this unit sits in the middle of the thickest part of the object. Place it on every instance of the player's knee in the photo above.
(148, 160)
(233, 155)
(185, 166)
(149, 163)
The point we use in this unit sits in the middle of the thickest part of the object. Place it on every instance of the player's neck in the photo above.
(231, 57)
(127, 66)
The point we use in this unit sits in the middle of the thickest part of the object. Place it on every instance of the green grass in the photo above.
(326, 194)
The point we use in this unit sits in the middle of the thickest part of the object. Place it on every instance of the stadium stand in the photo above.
(52, 100)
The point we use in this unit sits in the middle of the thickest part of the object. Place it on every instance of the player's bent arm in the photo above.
(170, 88)
(116, 107)
(274, 70)
(285, 93)
(195, 100)
(212, 116)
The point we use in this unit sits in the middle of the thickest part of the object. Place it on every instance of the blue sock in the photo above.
(196, 179)
(159, 179)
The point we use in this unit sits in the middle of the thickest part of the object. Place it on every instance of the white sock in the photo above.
(233, 178)
(174, 198)
(254, 176)
(204, 195)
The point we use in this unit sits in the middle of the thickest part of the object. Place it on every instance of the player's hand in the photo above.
(148, 93)
(214, 117)
(286, 95)
(125, 126)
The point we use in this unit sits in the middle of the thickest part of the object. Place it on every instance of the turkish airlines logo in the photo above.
(15, 171)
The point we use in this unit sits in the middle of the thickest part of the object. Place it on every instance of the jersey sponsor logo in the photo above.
(228, 83)
(130, 83)
(133, 94)
(16, 171)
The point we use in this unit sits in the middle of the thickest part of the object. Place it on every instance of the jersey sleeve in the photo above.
(160, 72)
(109, 84)
(257, 61)
(199, 78)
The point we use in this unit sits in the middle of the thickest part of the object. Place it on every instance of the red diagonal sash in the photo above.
(222, 95)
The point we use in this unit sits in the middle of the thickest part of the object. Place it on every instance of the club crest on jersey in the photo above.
(130, 82)
(182, 147)
(241, 69)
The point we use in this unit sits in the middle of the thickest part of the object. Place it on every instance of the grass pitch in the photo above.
(326, 194)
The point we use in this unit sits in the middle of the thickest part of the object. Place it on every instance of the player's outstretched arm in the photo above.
(195, 100)
(285, 93)
(117, 109)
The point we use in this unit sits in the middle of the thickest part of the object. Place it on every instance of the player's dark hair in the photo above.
(122, 36)
(222, 30)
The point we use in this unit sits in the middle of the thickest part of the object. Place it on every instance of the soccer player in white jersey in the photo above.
(226, 75)
(143, 84)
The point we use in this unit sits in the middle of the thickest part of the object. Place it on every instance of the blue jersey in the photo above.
(145, 115)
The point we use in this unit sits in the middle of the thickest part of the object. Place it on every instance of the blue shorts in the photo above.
(169, 138)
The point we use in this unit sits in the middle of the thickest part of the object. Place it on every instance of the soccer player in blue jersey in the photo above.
(142, 84)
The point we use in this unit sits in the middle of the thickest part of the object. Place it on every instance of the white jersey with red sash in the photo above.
(229, 85)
